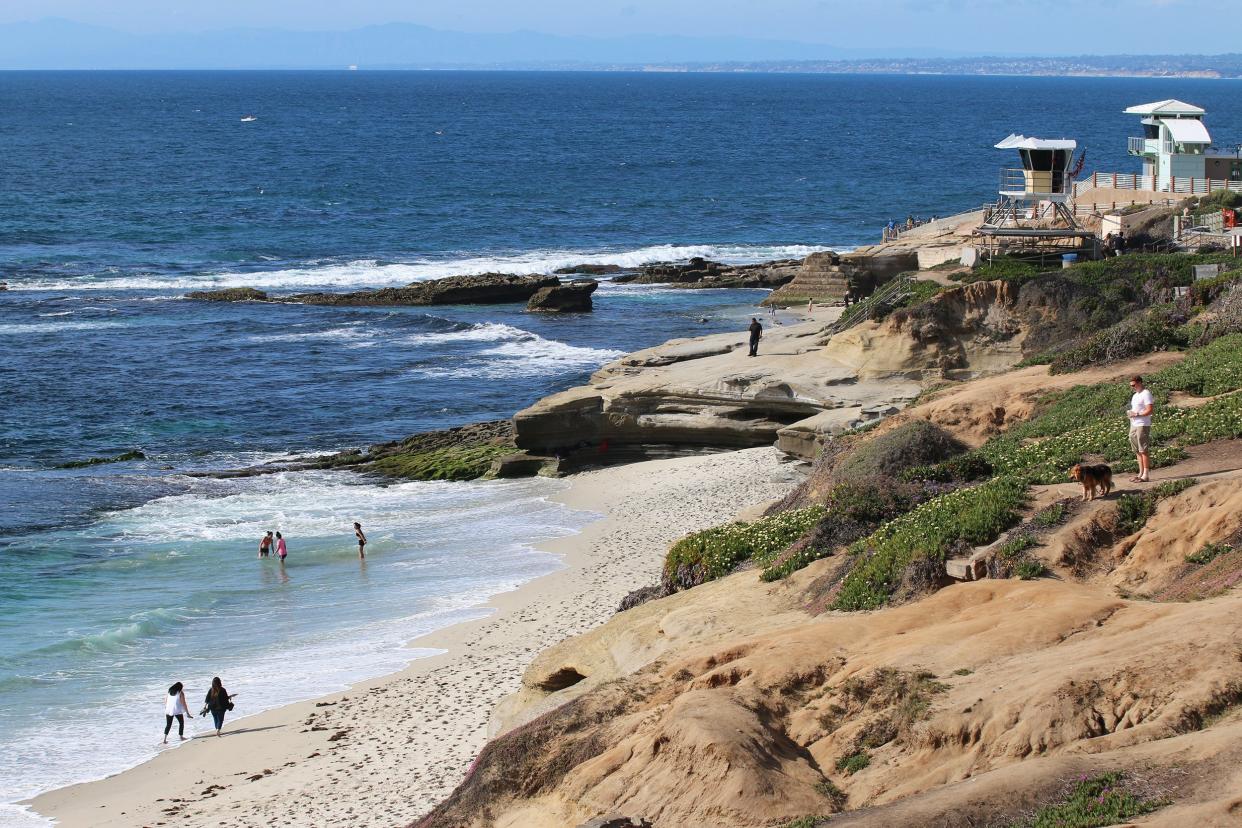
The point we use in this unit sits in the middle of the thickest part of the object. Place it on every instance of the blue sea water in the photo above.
(122, 191)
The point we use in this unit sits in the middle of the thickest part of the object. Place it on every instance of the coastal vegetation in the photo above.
(462, 453)
(904, 500)
(1094, 802)
(715, 552)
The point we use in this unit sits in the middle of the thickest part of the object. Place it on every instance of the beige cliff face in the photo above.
(704, 394)
(962, 333)
(730, 704)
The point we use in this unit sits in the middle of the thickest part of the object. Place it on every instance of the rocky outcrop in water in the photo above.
(481, 289)
(701, 273)
(574, 297)
(589, 270)
(234, 294)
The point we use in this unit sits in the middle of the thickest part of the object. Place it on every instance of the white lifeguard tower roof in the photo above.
(1021, 142)
(1170, 107)
(1187, 130)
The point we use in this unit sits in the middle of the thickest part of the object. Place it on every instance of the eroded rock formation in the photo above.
(574, 297)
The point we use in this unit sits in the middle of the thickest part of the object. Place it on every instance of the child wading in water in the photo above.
(362, 540)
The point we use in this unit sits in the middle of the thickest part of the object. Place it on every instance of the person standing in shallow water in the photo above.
(265, 545)
(362, 540)
(756, 333)
(175, 708)
(281, 549)
(218, 703)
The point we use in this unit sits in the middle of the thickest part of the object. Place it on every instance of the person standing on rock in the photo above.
(756, 333)
(362, 540)
(1141, 405)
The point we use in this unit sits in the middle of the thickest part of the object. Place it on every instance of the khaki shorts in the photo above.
(1140, 439)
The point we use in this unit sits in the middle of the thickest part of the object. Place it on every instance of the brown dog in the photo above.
(1092, 478)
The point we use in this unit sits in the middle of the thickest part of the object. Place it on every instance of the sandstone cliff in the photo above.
(742, 703)
(707, 394)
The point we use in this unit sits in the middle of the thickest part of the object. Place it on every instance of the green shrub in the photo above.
(1158, 329)
(709, 554)
(1169, 488)
(970, 516)
(1008, 268)
(1221, 199)
(853, 763)
(853, 511)
(1030, 568)
(1050, 516)
(804, 822)
(1093, 803)
(1016, 545)
(910, 444)
(829, 790)
(1206, 291)
(1133, 510)
(963, 468)
(1213, 369)
(1209, 553)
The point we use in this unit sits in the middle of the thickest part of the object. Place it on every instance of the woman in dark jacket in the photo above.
(218, 703)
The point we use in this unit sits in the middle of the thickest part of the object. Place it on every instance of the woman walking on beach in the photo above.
(217, 700)
(362, 539)
(175, 708)
(280, 547)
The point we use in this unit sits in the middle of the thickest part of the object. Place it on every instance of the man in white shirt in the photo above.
(1141, 405)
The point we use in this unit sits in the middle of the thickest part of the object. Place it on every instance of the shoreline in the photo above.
(403, 741)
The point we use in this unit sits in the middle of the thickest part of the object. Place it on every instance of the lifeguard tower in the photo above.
(1176, 150)
(1032, 208)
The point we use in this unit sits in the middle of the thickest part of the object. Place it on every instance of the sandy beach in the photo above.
(385, 751)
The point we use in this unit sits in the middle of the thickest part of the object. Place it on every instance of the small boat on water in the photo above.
(248, 118)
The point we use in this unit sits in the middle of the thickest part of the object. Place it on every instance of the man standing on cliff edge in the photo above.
(756, 333)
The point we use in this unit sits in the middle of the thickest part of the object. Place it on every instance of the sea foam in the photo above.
(362, 273)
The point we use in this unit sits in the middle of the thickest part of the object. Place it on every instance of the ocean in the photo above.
(125, 190)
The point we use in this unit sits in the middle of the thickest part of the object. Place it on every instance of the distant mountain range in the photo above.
(62, 44)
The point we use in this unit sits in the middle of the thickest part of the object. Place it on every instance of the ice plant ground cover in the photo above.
(1084, 422)
(711, 553)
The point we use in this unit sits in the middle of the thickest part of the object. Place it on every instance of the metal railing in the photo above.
(1177, 184)
(895, 291)
(1138, 146)
(1034, 182)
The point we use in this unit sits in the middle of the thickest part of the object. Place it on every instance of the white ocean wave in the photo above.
(519, 353)
(483, 332)
(372, 273)
(53, 327)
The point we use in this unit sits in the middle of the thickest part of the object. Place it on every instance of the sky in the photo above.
(1026, 27)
